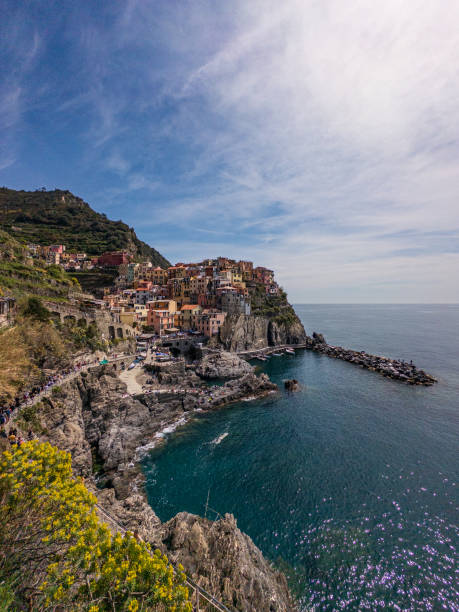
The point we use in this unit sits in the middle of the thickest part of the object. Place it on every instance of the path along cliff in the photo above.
(103, 427)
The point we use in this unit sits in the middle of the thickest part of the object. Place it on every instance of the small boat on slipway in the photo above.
(290, 351)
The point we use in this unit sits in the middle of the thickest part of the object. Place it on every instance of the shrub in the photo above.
(35, 309)
(59, 554)
(28, 417)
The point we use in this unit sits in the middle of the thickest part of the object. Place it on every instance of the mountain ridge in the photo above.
(60, 217)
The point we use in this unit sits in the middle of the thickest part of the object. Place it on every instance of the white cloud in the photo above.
(347, 114)
(318, 136)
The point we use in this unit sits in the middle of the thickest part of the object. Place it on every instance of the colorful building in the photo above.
(162, 321)
(113, 259)
(209, 322)
(185, 317)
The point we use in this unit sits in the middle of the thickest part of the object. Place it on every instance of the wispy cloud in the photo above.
(318, 137)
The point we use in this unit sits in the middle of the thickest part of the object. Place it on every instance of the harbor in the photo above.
(396, 369)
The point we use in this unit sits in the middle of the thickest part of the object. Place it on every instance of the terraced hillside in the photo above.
(59, 217)
(21, 276)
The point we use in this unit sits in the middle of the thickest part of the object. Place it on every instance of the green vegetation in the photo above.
(275, 307)
(36, 343)
(57, 554)
(20, 275)
(28, 418)
(59, 217)
(34, 308)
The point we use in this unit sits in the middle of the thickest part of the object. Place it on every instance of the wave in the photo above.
(220, 438)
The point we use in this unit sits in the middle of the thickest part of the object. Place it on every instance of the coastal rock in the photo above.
(250, 332)
(94, 419)
(221, 364)
(132, 513)
(291, 385)
(286, 333)
(244, 332)
(97, 422)
(225, 562)
(318, 338)
(249, 385)
(175, 373)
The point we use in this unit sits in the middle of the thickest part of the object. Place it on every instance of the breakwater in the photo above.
(391, 368)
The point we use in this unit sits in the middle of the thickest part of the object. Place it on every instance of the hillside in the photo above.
(21, 276)
(59, 217)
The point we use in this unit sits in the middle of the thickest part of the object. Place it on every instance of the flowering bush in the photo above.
(59, 552)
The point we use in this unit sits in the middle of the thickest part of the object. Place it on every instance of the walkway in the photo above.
(129, 377)
(267, 350)
(67, 378)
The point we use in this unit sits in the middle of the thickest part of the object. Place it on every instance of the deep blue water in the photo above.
(351, 484)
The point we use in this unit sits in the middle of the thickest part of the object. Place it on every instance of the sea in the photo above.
(349, 486)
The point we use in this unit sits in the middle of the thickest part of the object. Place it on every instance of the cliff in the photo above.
(92, 417)
(273, 322)
(245, 333)
(59, 217)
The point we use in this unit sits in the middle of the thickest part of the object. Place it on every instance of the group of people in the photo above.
(52, 381)
(14, 438)
(29, 397)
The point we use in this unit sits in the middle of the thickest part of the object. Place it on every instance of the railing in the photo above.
(199, 593)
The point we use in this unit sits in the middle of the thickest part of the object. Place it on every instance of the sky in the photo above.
(316, 137)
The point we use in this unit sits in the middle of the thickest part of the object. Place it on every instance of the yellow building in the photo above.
(158, 276)
(169, 305)
(236, 276)
(185, 317)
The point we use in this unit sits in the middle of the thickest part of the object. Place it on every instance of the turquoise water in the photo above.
(350, 484)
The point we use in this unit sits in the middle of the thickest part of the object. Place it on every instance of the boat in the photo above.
(290, 351)
(261, 358)
(276, 354)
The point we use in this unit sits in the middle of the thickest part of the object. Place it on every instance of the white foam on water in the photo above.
(141, 451)
(220, 438)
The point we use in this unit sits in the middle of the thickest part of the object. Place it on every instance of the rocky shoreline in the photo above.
(102, 426)
(390, 368)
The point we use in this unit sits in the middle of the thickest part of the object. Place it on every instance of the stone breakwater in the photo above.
(391, 368)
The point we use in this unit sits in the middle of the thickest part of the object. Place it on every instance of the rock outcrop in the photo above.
(226, 561)
(94, 419)
(251, 332)
(221, 364)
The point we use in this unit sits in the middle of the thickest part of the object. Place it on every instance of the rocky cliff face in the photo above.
(245, 333)
(94, 419)
(227, 561)
(222, 364)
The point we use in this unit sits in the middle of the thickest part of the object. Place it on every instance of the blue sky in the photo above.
(316, 137)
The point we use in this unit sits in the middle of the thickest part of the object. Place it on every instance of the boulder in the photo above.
(221, 364)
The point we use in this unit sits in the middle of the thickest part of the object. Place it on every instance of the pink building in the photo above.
(57, 248)
(209, 322)
(161, 320)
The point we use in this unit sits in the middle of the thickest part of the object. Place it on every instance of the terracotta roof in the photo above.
(189, 306)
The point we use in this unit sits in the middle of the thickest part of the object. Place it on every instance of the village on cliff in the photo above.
(187, 297)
